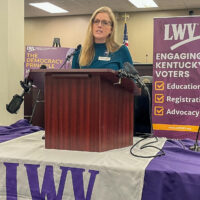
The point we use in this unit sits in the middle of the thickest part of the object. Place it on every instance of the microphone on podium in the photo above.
(70, 55)
(130, 68)
(129, 71)
(77, 48)
(134, 74)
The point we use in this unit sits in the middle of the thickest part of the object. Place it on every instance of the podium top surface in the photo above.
(38, 76)
(96, 71)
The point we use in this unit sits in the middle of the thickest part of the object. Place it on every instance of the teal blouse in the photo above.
(105, 60)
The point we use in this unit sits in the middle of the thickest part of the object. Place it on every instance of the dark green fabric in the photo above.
(117, 59)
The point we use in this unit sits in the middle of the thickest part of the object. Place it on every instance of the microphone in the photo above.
(70, 55)
(26, 84)
(77, 48)
(130, 68)
(123, 73)
(43, 67)
(134, 74)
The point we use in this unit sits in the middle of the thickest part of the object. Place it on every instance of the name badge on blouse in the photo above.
(104, 58)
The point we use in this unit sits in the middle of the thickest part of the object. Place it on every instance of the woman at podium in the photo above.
(100, 50)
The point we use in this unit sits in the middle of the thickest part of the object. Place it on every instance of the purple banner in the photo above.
(48, 189)
(51, 57)
(176, 73)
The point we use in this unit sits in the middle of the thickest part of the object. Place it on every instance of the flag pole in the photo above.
(125, 38)
(125, 16)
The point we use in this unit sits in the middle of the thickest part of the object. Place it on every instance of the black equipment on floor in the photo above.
(142, 109)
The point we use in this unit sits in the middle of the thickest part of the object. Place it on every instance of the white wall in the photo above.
(140, 32)
(72, 29)
(11, 56)
(42, 30)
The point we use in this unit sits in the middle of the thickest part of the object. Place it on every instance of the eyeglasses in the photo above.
(103, 22)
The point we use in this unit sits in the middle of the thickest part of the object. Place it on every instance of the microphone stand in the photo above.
(134, 76)
(67, 59)
(70, 55)
(196, 146)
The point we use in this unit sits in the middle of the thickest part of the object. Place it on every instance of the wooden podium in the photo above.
(86, 111)
(38, 76)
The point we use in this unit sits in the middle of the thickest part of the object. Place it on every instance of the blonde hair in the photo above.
(87, 52)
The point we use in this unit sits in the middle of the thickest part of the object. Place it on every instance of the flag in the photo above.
(125, 40)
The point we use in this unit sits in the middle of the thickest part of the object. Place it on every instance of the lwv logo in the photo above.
(184, 33)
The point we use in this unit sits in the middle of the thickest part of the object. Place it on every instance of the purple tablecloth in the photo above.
(20, 128)
(175, 176)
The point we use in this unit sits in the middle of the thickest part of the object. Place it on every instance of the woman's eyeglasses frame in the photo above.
(104, 23)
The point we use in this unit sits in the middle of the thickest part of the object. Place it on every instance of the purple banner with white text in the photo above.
(176, 73)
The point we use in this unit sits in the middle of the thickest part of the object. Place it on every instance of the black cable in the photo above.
(161, 153)
(132, 74)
